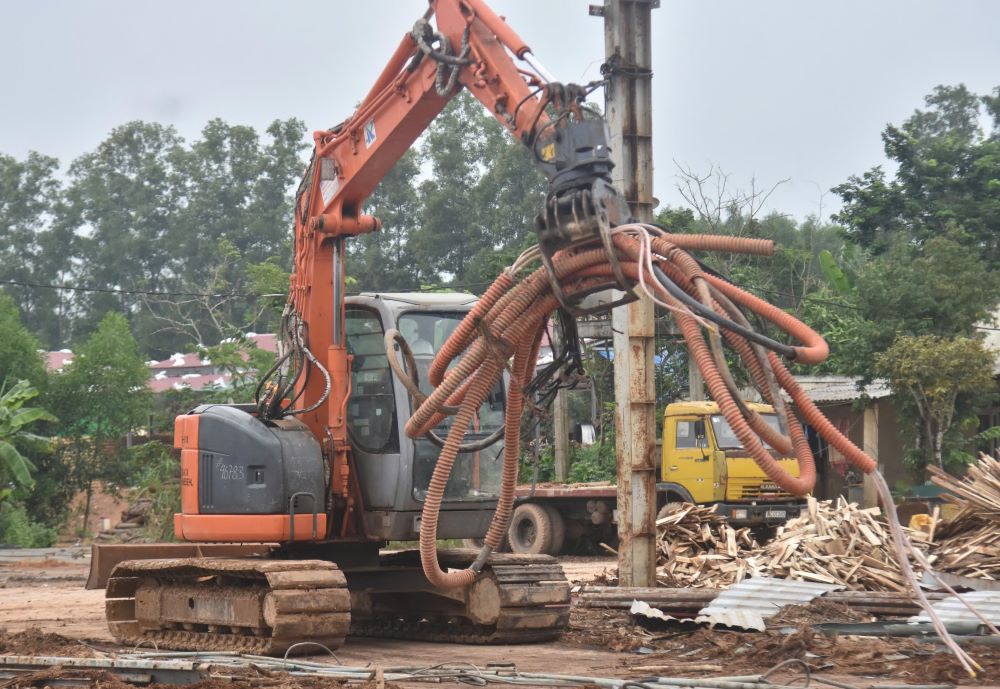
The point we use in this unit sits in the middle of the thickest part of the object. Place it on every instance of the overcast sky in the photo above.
(772, 88)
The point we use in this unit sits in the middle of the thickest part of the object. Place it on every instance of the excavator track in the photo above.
(247, 605)
(516, 599)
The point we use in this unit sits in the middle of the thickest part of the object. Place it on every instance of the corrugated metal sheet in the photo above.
(749, 602)
(952, 610)
(641, 607)
(957, 582)
(826, 389)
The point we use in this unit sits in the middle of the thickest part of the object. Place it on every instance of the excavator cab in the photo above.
(246, 479)
(393, 470)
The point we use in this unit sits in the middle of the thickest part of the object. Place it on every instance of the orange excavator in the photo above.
(286, 502)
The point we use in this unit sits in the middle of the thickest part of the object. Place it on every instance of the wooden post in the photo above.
(560, 427)
(870, 446)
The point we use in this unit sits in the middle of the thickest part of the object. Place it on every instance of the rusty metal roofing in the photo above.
(951, 610)
(829, 389)
(749, 602)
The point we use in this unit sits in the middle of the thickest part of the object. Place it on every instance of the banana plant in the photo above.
(15, 468)
(834, 274)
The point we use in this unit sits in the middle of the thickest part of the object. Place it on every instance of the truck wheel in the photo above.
(558, 530)
(477, 543)
(669, 508)
(530, 530)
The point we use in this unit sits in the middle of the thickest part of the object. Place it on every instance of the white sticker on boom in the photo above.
(329, 182)
(328, 188)
(370, 133)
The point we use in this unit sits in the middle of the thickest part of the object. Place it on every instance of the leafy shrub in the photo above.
(546, 465)
(18, 529)
(156, 472)
(593, 463)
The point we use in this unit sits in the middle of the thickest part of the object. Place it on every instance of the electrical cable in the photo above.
(118, 290)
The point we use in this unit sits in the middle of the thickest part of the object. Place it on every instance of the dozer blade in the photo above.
(515, 599)
(104, 557)
(251, 606)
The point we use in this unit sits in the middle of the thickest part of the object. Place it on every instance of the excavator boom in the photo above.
(319, 467)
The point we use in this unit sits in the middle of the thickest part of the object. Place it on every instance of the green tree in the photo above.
(236, 194)
(383, 260)
(19, 358)
(149, 213)
(938, 288)
(933, 372)
(931, 229)
(15, 418)
(948, 174)
(16, 480)
(121, 203)
(30, 251)
(102, 396)
(479, 201)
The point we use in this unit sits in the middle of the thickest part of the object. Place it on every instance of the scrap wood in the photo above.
(969, 544)
(833, 542)
(856, 551)
(752, 652)
(979, 488)
(697, 548)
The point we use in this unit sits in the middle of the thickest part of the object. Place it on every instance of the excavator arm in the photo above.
(456, 44)
(282, 470)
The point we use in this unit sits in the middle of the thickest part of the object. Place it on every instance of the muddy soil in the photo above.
(45, 611)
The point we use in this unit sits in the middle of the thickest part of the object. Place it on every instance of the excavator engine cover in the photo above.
(245, 479)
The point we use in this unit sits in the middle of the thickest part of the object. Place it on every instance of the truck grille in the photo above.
(752, 489)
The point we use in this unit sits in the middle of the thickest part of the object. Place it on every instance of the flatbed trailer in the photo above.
(550, 516)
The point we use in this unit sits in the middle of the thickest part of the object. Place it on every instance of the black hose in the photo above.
(709, 314)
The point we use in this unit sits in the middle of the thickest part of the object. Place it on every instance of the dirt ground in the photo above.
(41, 592)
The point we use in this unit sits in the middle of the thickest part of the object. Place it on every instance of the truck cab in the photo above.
(704, 462)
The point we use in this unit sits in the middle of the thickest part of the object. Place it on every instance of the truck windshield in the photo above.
(475, 475)
(726, 438)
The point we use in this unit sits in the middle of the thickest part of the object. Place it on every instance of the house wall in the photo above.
(830, 483)
(890, 445)
(850, 420)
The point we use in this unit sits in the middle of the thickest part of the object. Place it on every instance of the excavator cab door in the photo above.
(394, 470)
(475, 475)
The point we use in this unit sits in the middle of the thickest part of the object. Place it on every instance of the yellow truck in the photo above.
(702, 462)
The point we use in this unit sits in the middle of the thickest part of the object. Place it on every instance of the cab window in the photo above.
(371, 408)
(690, 434)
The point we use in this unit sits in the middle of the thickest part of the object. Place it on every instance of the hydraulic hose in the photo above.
(503, 332)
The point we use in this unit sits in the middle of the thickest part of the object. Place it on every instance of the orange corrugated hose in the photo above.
(504, 330)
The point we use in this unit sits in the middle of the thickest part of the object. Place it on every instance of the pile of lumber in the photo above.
(833, 542)
(698, 549)
(969, 544)
(978, 490)
(837, 543)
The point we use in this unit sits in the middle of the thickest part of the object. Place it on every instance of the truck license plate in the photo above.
(775, 514)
